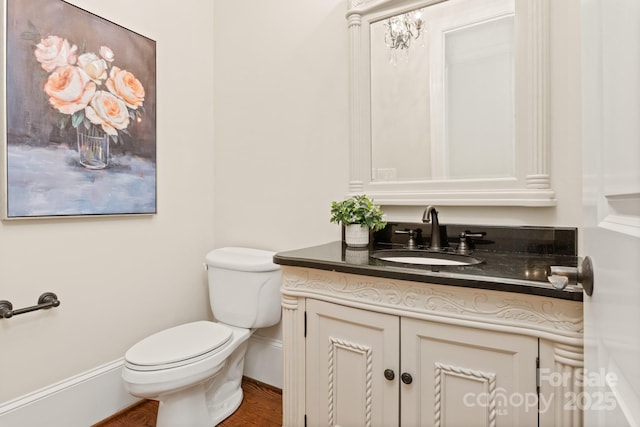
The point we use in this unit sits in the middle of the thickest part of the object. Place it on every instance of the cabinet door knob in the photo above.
(406, 378)
(389, 374)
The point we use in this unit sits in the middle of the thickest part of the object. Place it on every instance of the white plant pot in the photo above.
(356, 235)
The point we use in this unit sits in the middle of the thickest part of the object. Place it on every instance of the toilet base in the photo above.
(208, 403)
(225, 394)
(189, 408)
(203, 399)
(185, 408)
(227, 408)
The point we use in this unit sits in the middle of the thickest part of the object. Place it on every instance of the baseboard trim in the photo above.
(97, 394)
(263, 361)
(81, 401)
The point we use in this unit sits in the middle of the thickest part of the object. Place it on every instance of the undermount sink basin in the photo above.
(419, 257)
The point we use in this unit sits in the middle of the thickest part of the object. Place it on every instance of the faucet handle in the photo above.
(464, 247)
(473, 234)
(413, 233)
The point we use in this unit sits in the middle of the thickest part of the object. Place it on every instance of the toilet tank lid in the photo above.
(242, 259)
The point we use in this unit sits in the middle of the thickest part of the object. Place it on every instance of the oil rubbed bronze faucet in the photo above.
(430, 215)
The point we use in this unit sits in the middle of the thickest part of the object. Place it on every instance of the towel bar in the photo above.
(46, 301)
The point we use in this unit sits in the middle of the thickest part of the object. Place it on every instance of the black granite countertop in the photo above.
(519, 272)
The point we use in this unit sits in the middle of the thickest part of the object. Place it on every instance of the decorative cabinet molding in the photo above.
(532, 315)
(336, 344)
(554, 326)
(488, 379)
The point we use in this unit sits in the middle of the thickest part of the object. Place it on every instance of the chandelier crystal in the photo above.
(402, 29)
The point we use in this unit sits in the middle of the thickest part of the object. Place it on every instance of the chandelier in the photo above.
(402, 29)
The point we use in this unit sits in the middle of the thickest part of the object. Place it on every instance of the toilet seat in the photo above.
(178, 346)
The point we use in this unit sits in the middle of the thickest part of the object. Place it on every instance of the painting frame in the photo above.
(78, 127)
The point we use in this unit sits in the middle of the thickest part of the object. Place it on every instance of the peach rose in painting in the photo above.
(70, 89)
(54, 52)
(94, 66)
(75, 79)
(125, 85)
(108, 111)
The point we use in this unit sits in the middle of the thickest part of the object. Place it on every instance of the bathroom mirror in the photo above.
(449, 102)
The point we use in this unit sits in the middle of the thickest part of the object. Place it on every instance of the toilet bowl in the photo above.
(195, 370)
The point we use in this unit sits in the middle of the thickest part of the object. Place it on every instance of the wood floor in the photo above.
(261, 406)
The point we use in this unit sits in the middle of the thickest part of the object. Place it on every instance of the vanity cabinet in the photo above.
(369, 351)
(366, 368)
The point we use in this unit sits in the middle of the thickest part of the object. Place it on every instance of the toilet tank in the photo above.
(244, 287)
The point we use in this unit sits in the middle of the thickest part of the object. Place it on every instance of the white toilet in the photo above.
(195, 370)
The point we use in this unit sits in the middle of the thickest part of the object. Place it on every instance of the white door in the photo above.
(611, 169)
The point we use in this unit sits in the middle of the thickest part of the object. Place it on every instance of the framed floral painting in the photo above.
(79, 125)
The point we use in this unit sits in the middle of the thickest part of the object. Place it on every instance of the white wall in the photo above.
(281, 121)
(281, 126)
(121, 278)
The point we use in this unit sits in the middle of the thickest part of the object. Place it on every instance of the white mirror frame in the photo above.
(532, 184)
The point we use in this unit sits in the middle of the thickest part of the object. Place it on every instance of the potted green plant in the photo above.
(359, 215)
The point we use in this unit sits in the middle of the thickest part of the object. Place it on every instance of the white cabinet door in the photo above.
(611, 197)
(467, 377)
(347, 353)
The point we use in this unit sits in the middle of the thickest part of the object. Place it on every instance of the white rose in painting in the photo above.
(94, 66)
(54, 52)
(106, 53)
